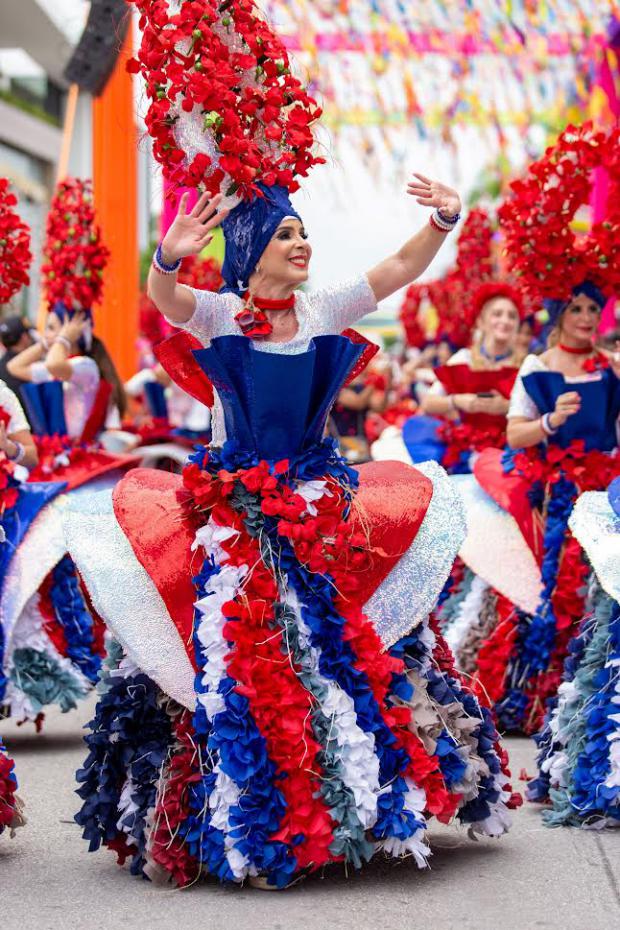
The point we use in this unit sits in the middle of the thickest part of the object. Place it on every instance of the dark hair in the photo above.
(108, 372)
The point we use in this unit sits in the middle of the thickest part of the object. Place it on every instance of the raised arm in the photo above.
(20, 365)
(417, 253)
(189, 234)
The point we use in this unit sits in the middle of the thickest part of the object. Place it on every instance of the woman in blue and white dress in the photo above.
(331, 722)
(562, 433)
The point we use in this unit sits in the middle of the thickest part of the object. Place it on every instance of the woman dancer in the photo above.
(15, 444)
(325, 722)
(50, 644)
(473, 390)
(465, 409)
(52, 641)
(70, 386)
(562, 430)
(569, 398)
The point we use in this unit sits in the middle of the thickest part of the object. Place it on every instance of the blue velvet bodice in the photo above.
(276, 405)
(45, 406)
(595, 423)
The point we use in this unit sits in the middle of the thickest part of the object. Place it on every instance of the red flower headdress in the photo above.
(546, 255)
(15, 254)
(489, 290)
(459, 296)
(225, 111)
(451, 295)
(74, 255)
(410, 314)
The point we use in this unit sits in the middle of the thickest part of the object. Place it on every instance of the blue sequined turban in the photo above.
(556, 307)
(248, 230)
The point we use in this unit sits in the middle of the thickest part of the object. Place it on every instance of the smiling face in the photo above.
(499, 321)
(286, 259)
(580, 321)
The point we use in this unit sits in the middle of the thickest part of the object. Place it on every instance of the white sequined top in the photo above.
(79, 392)
(323, 313)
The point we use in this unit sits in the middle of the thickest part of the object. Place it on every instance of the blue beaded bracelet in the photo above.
(450, 220)
(160, 264)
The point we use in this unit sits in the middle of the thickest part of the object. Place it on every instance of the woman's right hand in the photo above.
(191, 232)
(567, 405)
(465, 403)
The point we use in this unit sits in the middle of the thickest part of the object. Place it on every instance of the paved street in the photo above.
(534, 878)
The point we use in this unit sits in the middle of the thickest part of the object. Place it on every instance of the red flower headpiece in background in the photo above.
(452, 295)
(74, 255)
(15, 254)
(489, 290)
(415, 335)
(546, 255)
(225, 111)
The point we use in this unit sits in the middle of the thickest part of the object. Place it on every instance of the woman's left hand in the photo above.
(434, 194)
(74, 327)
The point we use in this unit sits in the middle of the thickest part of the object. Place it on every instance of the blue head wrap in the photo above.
(65, 313)
(556, 307)
(248, 230)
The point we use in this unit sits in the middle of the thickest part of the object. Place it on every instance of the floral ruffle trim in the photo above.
(579, 760)
(9, 804)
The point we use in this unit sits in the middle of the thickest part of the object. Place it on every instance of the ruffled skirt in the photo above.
(509, 623)
(51, 640)
(305, 742)
(11, 808)
(579, 760)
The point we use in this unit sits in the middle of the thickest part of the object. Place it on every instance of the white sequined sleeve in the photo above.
(212, 315)
(10, 403)
(84, 372)
(521, 404)
(334, 309)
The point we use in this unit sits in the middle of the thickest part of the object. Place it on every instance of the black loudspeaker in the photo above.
(95, 55)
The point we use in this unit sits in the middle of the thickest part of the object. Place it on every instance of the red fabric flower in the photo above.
(468, 437)
(253, 322)
(597, 363)
(15, 254)
(548, 257)
(7, 790)
(74, 257)
(225, 61)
